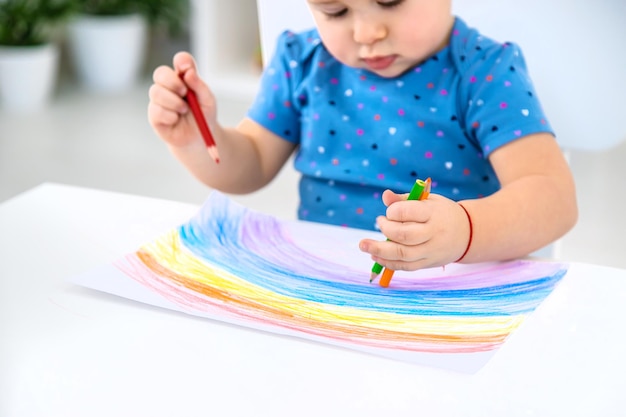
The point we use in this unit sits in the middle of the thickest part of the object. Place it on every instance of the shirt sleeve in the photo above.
(502, 104)
(274, 107)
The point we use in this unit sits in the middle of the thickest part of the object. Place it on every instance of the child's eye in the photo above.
(390, 4)
(384, 4)
(337, 14)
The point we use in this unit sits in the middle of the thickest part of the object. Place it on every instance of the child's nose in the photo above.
(368, 30)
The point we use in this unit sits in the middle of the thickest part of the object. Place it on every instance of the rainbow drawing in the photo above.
(308, 280)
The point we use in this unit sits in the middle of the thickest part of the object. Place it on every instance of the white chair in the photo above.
(575, 50)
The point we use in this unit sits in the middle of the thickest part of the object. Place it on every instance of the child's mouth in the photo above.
(379, 62)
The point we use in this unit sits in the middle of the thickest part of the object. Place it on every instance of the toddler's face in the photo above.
(386, 37)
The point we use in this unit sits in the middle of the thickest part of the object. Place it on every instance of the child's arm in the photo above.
(535, 206)
(250, 155)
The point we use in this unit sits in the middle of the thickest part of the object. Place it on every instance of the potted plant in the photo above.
(108, 38)
(29, 57)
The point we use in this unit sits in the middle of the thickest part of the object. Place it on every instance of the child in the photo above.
(379, 94)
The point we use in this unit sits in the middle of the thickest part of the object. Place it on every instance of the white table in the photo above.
(69, 351)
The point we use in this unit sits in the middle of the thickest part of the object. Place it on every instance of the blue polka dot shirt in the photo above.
(359, 134)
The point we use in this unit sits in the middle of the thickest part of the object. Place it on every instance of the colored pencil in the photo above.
(420, 191)
(194, 105)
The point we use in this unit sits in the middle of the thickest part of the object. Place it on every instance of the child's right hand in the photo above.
(168, 112)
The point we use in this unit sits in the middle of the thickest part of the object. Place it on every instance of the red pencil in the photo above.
(192, 100)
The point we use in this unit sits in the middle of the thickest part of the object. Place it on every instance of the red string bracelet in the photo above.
(471, 234)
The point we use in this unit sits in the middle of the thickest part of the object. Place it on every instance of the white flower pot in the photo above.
(28, 76)
(108, 52)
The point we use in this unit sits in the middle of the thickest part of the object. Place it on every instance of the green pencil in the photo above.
(420, 191)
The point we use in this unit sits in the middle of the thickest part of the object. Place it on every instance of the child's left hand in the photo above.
(422, 234)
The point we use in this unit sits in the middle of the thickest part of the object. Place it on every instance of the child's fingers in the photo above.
(389, 197)
(183, 62)
(394, 255)
(389, 251)
(409, 211)
(161, 117)
(167, 78)
(163, 97)
(202, 90)
(407, 233)
(186, 68)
